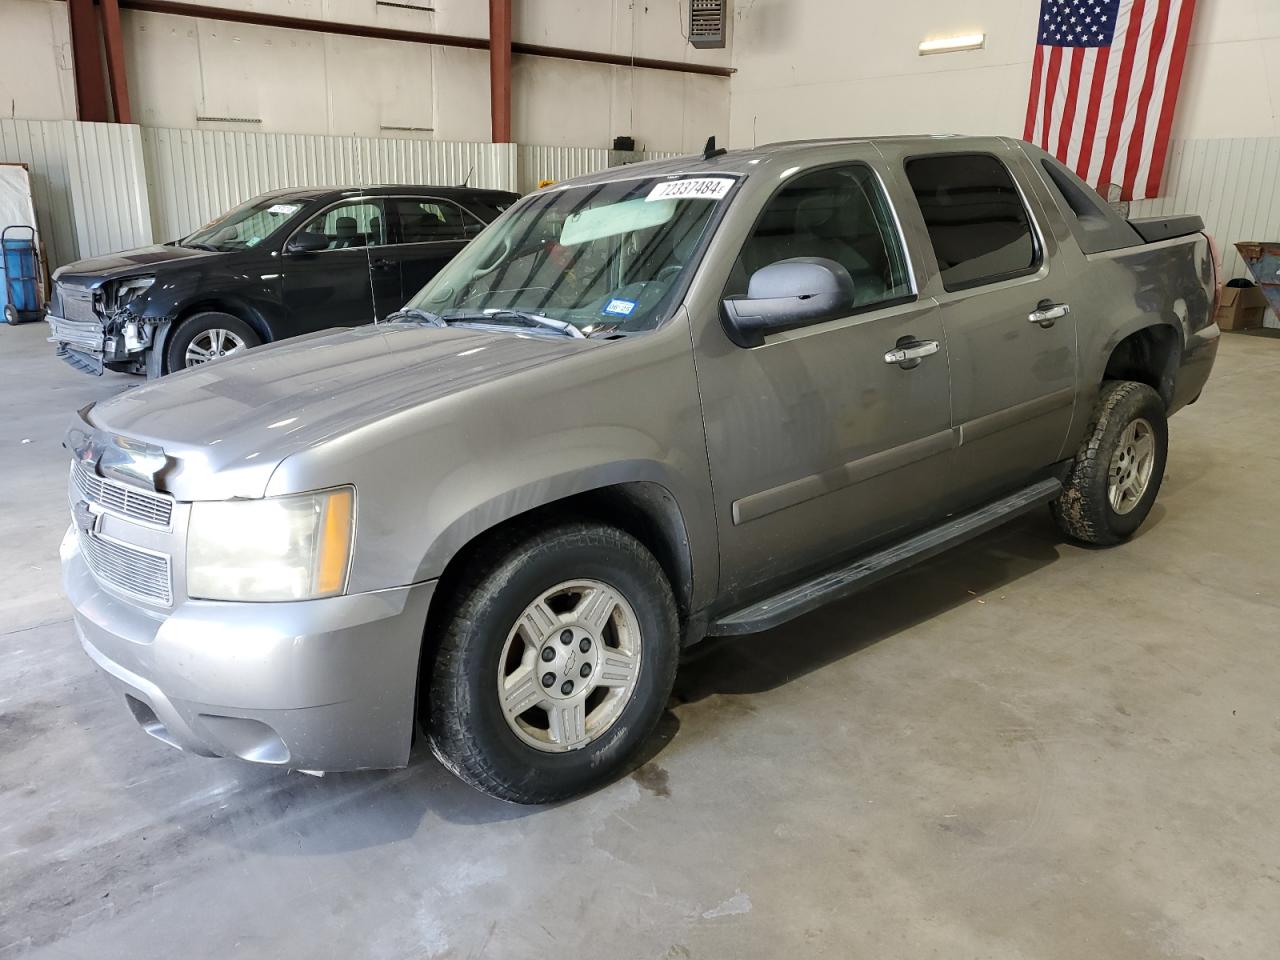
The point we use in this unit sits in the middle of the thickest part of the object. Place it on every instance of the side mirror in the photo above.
(307, 243)
(785, 295)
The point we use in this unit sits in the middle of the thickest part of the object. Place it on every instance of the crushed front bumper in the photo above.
(323, 685)
(82, 343)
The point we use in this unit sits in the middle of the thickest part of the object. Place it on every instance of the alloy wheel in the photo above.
(212, 344)
(569, 666)
(1131, 466)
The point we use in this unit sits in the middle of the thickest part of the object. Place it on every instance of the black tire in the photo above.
(464, 721)
(1084, 511)
(175, 354)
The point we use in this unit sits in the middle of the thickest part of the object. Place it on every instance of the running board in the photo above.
(861, 573)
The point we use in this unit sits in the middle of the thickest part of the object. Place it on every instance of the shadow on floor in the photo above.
(764, 661)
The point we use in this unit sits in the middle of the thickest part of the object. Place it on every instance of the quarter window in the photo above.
(349, 225)
(977, 222)
(839, 213)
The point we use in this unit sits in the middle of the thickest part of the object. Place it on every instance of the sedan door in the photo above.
(427, 232)
(826, 438)
(341, 276)
(1005, 301)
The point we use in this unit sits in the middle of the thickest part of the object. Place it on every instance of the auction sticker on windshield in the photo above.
(696, 188)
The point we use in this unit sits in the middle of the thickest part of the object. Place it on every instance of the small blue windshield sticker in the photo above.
(619, 308)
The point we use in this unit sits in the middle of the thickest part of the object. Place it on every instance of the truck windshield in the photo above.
(608, 257)
(244, 226)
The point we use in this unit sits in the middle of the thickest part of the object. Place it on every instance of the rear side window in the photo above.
(977, 222)
(429, 220)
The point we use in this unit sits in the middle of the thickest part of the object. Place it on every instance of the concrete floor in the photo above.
(1024, 749)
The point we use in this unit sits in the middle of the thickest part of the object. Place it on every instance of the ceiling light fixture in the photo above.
(970, 41)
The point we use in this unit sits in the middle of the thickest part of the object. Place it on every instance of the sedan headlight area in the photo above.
(126, 291)
(280, 548)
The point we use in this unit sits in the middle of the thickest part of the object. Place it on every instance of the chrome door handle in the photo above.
(1047, 313)
(912, 352)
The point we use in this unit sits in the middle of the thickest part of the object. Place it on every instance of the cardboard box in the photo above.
(1241, 308)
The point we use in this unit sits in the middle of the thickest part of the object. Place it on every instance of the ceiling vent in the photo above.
(706, 23)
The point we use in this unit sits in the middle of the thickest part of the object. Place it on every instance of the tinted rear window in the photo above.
(977, 222)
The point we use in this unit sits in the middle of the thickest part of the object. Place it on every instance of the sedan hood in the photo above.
(128, 263)
(227, 424)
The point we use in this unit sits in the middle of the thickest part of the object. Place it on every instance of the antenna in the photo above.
(467, 180)
(710, 151)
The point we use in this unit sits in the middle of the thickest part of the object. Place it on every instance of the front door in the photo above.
(821, 441)
(427, 232)
(349, 280)
(1006, 309)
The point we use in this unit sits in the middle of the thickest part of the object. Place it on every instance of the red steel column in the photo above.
(500, 69)
(86, 54)
(115, 61)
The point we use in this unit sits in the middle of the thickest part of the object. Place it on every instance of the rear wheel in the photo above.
(1117, 472)
(207, 336)
(555, 665)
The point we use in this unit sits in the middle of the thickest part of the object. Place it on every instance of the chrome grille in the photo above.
(141, 573)
(77, 303)
(122, 499)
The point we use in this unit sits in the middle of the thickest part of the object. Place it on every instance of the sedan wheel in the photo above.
(211, 345)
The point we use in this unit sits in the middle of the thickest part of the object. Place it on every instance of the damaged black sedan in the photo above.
(280, 265)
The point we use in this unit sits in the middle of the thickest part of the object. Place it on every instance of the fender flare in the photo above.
(480, 517)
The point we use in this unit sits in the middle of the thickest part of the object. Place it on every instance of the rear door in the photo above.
(1005, 306)
(427, 232)
(349, 281)
(818, 441)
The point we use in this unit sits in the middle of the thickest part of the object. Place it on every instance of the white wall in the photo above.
(36, 79)
(810, 68)
(313, 83)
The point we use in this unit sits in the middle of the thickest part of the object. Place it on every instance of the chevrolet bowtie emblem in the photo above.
(87, 519)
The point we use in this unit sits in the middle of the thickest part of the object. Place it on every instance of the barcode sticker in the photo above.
(696, 188)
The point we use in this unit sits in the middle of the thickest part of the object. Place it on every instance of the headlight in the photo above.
(281, 548)
(128, 290)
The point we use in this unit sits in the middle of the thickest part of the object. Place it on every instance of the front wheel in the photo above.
(208, 336)
(555, 665)
(1118, 470)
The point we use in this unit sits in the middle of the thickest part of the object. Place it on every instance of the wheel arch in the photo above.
(220, 304)
(1148, 353)
(646, 509)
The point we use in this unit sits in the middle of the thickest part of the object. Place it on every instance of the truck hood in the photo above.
(128, 263)
(226, 425)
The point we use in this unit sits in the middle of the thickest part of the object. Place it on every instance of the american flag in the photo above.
(1104, 85)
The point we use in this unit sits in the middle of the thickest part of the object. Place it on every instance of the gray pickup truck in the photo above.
(688, 398)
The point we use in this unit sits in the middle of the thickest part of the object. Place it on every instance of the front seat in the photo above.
(346, 234)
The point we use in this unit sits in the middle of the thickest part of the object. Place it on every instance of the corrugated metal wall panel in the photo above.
(87, 182)
(195, 175)
(1231, 184)
(108, 188)
(537, 163)
(42, 146)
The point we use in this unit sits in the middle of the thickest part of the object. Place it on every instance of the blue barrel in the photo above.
(19, 265)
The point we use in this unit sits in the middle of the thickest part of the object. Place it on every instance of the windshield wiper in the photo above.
(494, 316)
(414, 315)
(198, 246)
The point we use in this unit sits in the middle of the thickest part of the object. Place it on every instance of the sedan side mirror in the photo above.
(307, 243)
(785, 295)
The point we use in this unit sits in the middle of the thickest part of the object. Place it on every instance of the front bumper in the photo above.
(323, 685)
(82, 343)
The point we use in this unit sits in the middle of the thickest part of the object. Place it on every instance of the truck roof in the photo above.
(750, 160)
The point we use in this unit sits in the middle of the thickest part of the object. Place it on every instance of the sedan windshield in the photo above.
(608, 257)
(244, 226)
